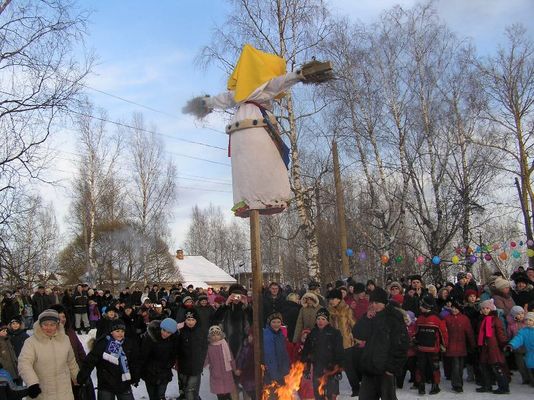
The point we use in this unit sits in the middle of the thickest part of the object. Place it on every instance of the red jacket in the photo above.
(431, 333)
(490, 350)
(359, 307)
(460, 333)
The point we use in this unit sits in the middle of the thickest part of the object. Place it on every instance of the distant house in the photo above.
(199, 272)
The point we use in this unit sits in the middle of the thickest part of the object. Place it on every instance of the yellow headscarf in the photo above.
(253, 69)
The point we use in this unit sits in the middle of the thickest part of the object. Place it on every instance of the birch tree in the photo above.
(290, 29)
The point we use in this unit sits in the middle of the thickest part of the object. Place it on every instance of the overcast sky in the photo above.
(146, 54)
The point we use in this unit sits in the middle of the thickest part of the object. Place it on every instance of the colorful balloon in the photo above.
(473, 259)
(530, 252)
(384, 259)
(496, 246)
(503, 256)
(530, 242)
(459, 250)
(513, 244)
(487, 257)
(478, 249)
(349, 252)
(398, 259)
(362, 255)
(516, 254)
(436, 260)
(420, 260)
(455, 259)
(520, 243)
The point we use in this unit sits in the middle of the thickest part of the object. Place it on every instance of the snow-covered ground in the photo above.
(518, 391)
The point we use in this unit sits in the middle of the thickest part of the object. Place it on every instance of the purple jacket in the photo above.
(221, 381)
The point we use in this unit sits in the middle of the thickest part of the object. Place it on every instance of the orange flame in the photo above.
(291, 384)
(324, 379)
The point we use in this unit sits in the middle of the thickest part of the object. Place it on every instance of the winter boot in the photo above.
(501, 391)
(421, 388)
(457, 389)
(484, 389)
(434, 389)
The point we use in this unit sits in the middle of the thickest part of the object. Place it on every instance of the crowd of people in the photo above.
(378, 337)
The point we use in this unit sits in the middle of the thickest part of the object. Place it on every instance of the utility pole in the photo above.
(340, 203)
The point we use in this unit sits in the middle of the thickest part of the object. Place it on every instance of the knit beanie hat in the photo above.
(530, 315)
(428, 301)
(516, 310)
(191, 314)
(275, 315)
(219, 299)
(117, 324)
(202, 297)
(215, 330)
(488, 304)
(48, 315)
(186, 298)
(17, 318)
(378, 295)
(470, 292)
(323, 312)
(169, 325)
(501, 283)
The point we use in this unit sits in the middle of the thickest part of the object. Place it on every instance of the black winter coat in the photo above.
(40, 302)
(290, 316)
(80, 302)
(272, 305)
(158, 355)
(10, 309)
(109, 375)
(17, 338)
(412, 303)
(235, 320)
(324, 349)
(206, 316)
(386, 349)
(192, 349)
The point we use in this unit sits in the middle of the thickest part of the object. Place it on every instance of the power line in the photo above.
(123, 125)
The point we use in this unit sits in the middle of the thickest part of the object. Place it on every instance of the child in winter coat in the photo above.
(306, 318)
(221, 363)
(276, 357)
(159, 351)
(116, 359)
(191, 355)
(306, 386)
(94, 314)
(491, 338)
(245, 366)
(17, 334)
(8, 388)
(411, 363)
(472, 311)
(431, 335)
(516, 321)
(323, 352)
(525, 337)
(461, 338)
(8, 357)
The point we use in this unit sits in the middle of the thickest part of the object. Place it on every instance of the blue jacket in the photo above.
(275, 355)
(525, 337)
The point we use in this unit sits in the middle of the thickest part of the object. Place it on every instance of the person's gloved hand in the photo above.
(34, 390)
(135, 383)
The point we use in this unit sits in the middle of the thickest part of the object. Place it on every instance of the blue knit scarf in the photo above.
(116, 355)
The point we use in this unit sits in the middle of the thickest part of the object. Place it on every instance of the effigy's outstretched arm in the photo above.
(203, 105)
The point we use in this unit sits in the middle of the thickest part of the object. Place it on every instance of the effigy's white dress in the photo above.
(259, 176)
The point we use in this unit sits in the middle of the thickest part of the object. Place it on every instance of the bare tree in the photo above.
(508, 80)
(153, 189)
(291, 29)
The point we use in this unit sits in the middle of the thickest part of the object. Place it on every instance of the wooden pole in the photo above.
(257, 286)
(340, 203)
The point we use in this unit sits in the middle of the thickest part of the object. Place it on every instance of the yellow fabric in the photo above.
(253, 69)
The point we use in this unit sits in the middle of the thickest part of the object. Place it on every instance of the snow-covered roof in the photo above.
(197, 270)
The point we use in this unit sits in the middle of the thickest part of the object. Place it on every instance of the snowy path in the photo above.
(518, 391)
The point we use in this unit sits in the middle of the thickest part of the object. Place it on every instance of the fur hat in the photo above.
(169, 325)
(338, 284)
(117, 324)
(309, 295)
(416, 277)
(456, 303)
(186, 298)
(428, 302)
(470, 292)
(501, 284)
(530, 315)
(49, 315)
(273, 316)
(313, 285)
(522, 278)
(335, 294)
(237, 289)
(395, 284)
(378, 295)
(488, 304)
(323, 312)
(516, 310)
(202, 297)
